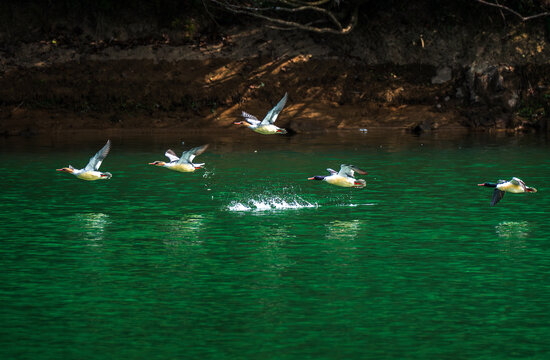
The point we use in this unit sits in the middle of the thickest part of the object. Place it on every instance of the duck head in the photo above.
(244, 123)
(158, 163)
(318, 177)
(487, 184)
(69, 169)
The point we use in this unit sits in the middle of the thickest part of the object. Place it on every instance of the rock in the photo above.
(443, 75)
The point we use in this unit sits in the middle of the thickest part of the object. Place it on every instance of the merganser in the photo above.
(265, 126)
(344, 177)
(515, 186)
(183, 163)
(90, 172)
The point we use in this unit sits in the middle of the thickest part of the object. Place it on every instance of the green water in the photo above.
(249, 259)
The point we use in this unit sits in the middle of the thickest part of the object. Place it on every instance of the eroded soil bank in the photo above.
(416, 77)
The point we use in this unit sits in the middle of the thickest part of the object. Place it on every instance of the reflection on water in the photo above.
(343, 230)
(273, 251)
(513, 229)
(92, 226)
(185, 230)
(512, 234)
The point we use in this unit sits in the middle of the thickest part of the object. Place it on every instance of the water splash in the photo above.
(208, 173)
(270, 203)
(355, 205)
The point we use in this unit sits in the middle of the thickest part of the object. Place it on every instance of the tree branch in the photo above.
(523, 18)
(295, 6)
(313, 8)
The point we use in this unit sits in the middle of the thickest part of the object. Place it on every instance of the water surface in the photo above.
(249, 259)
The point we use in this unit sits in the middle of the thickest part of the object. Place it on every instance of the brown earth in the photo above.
(56, 84)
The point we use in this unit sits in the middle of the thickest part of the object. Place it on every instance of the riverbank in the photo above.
(417, 77)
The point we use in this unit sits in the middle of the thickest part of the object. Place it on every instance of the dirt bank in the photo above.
(416, 77)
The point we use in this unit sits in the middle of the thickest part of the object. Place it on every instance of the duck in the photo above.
(266, 126)
(183, 163)
(90, 172)
(514, 186)
(344, 177)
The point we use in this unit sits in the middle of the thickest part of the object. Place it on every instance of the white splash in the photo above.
(355, 205)
(271, 203)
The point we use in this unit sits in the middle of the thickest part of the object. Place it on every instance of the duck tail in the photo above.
(359, 183)
(530, 189)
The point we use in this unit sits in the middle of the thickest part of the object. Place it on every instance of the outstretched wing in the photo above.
(497, 196)
(249, 118)
(170, 154)
(274, 113)
(97, 159)
(349, 170)
(189, 155)
(332, 172)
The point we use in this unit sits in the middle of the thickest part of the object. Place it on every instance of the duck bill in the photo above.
(311, 178)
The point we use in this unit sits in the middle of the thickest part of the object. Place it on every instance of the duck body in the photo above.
(91, 171)
(183, 163)
(266, 126)
(269, 129)
(514, 186)
(182, 167)
(345, 181)
(344, 178)
(93, 175)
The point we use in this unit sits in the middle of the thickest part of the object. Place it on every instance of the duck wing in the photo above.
(170, 154)
(518, 182)
(249, 118)
(497, 196)
(97, 159)
(189, 155)
(349, 170)
(274, 113)
(332, 172)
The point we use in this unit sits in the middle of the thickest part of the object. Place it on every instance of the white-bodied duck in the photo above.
(183, 163)
(90, 172)
(514, 186)
(345, 177)
(266, 126)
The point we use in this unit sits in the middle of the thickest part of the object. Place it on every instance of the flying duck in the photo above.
(515, 186)
(344, 177)
(183, 163)
(266, 126)
(90, 172)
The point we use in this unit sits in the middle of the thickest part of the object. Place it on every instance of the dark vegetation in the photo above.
(28, 19)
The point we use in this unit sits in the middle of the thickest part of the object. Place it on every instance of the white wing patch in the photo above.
(249, 118)
(170, 154)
